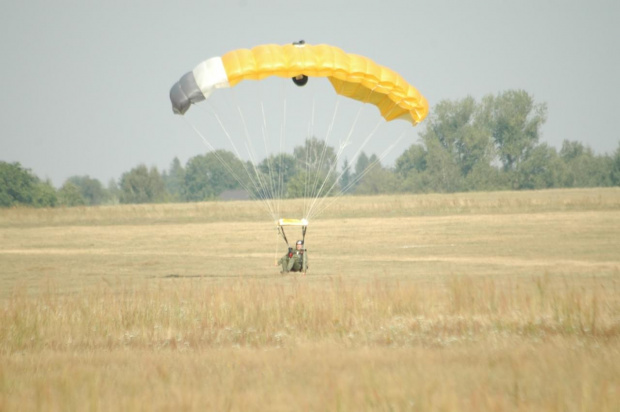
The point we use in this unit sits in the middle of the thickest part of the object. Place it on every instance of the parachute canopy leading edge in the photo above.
(351, 75)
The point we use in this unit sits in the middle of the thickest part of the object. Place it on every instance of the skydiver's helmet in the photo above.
(299, 242)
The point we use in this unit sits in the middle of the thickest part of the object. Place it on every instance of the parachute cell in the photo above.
(351, 75)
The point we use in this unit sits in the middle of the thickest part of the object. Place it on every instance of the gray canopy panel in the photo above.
(185, 92)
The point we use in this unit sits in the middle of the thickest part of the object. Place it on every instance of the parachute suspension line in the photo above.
(275, 253)
(318, 164)
(326, 204)
(281, 188)
(311, 123)
(332, 170)
(380, 122)
(259, 183)
(309, 138)
(271, 186)
(308, 169)
(318, 199)
(265, 134)
(254, 193)
(357, 178)
(322, 200)
(223, 163)
(324, 150)
(320, 194)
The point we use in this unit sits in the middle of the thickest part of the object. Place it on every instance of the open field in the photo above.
(480, 301)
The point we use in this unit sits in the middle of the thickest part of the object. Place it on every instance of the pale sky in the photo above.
(85, 84)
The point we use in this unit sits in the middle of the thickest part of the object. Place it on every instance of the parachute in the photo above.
(350, 75)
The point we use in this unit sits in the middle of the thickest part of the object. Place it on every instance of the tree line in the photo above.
(466, 145)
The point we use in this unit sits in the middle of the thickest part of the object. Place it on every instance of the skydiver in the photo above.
(295, 260)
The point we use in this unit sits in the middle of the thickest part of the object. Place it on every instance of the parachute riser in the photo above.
(288, 222)
(283, 234)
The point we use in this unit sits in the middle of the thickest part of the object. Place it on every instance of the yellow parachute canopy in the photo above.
(351, 75)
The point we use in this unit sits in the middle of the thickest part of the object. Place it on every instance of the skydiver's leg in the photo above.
(284, 265)
(291, 263)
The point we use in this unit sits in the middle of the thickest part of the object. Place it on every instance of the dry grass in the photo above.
(343, 207)
(482, 302)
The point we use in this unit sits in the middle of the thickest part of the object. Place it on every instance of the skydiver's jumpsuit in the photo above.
(294, 261)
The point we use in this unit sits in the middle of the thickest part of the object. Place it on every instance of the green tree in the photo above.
(615, 168)
(463, 141)
(515, 121)
(315, 156)
(141, 185)
(413, 160)
(540, 169)
(461, 129)
(456, 142)
(273, 175)
(485, 177)
(207, 176)
(311, 185)
(443, 172)
(16, 184)
(175, 180)
(345, 178)
(70, 195)
(363, 165)
(297, 186)
(114, 192)
(19, 186)
(411, 169)
(91, 190)
(44, 194)
(316, 170)
(377, 180)
(582, 168)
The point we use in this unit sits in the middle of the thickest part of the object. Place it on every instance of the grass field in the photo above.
(505, 301)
